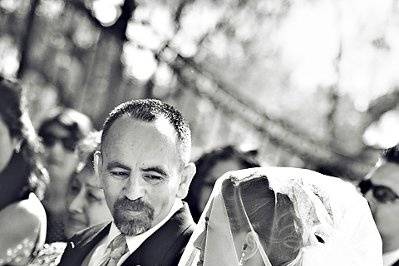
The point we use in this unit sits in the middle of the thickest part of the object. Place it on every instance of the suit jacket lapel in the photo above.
(164, 241)
(82, 244)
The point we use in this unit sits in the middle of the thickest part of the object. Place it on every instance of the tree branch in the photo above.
(383, 104)
(379, 107)
(79, 5)
(317, 154)
(120, 26)
(118, 29)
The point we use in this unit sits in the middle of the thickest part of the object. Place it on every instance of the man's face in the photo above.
(386, 215)
(140, 170)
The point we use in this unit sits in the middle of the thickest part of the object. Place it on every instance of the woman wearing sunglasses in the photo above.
(381, 188)
(60, 134)
(279, 216)
(22, 180)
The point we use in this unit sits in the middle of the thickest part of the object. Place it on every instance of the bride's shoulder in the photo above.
(27, 212)
(22, 228)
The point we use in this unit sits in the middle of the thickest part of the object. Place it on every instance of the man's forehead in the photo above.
(165, 127)
(131, 135)
(128, 126)
(387, 174)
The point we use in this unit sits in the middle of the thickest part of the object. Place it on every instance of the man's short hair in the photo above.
(391, 155)
(148, 110)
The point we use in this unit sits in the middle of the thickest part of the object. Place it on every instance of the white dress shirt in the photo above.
(133, 242)
(390, 257)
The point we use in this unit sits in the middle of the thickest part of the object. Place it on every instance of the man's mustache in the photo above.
(133, 205)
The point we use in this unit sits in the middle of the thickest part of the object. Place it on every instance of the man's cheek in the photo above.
(111, 195)
(387, 217)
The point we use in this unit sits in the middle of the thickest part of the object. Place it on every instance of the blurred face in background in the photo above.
(217, 171)
(61, 157)
(385, 204)
(7, 145)
(85, 202)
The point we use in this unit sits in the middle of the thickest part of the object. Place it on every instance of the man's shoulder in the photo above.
(167, 244)
(87, 234)
(181, 223)
(82, 243)
(180, 227)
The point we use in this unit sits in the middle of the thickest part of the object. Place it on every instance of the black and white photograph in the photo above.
(199, 132)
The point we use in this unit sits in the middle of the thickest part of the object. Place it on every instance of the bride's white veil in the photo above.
(308, 219)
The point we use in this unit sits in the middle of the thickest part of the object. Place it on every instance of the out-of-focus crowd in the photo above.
(49, 189)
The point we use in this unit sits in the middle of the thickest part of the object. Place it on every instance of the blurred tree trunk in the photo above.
(117, 32)
(26, 39)
(149, 88)
(107, 76)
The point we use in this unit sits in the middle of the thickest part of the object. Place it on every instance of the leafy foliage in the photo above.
(302, 80)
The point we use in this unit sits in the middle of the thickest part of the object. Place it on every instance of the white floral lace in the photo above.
(50, 254)
(19, 253)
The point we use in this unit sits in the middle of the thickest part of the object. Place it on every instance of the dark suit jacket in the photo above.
(163, 247)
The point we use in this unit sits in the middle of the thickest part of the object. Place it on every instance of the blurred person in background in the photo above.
(85, 201)
(60, 134)
(22, 180)
(381, 188)
(212, 165)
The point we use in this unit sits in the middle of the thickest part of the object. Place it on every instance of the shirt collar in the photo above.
(133, 242)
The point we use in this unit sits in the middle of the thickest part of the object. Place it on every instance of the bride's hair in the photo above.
(271, 215)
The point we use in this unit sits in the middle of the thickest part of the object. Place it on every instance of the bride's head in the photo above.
(252, 206)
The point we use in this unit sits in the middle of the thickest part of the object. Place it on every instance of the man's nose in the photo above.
(77, 203)
(134, 188)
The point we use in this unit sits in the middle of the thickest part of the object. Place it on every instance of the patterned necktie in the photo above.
(115, 250)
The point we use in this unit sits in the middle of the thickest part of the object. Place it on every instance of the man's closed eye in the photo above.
(154, 178)
(119, 174)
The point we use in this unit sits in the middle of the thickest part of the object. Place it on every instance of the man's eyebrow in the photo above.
(93, 186)
(115, 164)
(156, 169)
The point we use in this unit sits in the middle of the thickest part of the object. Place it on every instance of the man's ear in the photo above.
(98, 164)
(187, 175)
(251, 248)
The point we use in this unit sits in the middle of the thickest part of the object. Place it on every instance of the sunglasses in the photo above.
(381, 193)
(68, 143)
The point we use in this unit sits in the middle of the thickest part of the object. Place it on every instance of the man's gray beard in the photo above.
(133, 226)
